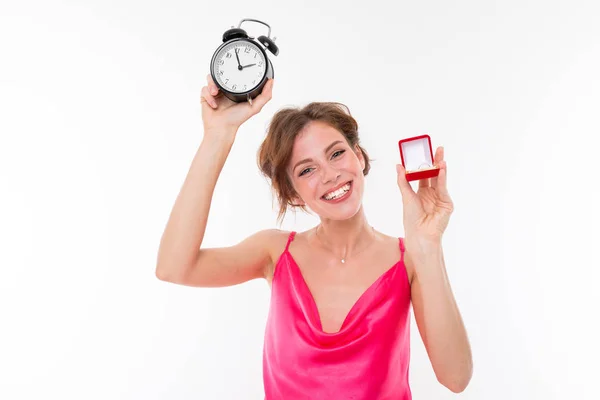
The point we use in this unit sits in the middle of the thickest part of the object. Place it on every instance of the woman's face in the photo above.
(326, 172)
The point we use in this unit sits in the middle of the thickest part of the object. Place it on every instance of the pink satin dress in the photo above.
(367, 359)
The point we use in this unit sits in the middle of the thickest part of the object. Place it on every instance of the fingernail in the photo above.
(213, 90)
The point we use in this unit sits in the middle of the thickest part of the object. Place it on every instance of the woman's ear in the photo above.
(296, 200)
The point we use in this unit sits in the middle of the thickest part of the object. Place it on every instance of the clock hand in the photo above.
(238, 60)
(249, 65)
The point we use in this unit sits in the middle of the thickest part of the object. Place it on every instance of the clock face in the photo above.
(239, 66)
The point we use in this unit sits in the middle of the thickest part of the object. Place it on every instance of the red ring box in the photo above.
(417, 158)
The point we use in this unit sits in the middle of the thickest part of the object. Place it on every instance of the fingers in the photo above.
(441, 182)
(213, 88)
(264, 97)
(404, 186)
(437, 161)
(210, 92)
(424, 183)
(439, 154)
(206, 97)
(434, 181)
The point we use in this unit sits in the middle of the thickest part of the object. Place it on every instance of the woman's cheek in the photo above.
(313, 184)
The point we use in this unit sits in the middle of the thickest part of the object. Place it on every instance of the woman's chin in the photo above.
(339, 212)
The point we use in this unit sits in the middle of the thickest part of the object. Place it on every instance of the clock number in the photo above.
(221, 62)
(234, 86)
(221, 72)
(228, 55)
(227, 80)
(247, 50)
(260, 64)
(245, 87)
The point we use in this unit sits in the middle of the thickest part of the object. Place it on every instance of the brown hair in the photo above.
(275, 152)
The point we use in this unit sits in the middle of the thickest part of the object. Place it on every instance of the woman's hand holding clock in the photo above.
(220, 114)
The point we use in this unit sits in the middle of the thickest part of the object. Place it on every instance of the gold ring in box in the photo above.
(417, 158)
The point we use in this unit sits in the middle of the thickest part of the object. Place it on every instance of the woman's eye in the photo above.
(305, 171)
(334, 155)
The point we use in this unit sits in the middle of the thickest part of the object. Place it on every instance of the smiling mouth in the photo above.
(336, 194)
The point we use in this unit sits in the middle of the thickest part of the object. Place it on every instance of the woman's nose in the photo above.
(328, 173)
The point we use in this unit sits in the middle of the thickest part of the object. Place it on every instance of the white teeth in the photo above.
(338, 193)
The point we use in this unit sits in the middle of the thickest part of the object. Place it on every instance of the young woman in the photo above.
(339, 319)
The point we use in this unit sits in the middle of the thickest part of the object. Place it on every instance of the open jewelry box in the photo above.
(417, 158)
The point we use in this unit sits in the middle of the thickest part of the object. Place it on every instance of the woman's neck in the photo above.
(346, 237)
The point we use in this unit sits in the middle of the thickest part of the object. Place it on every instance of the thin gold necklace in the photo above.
(343, 259)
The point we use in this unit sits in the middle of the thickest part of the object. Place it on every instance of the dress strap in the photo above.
(402, 248)
(290, 238)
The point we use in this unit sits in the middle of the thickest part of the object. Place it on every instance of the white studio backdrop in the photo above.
(100, 120)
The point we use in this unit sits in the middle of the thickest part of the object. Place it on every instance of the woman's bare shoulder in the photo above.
(385, 237)
(408, 263)
(276, 240)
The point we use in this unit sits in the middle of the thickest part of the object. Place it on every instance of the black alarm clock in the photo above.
(240, 66)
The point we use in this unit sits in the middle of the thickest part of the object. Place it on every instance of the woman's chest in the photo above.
(337, 289)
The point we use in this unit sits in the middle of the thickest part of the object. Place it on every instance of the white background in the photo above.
(100, 119)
